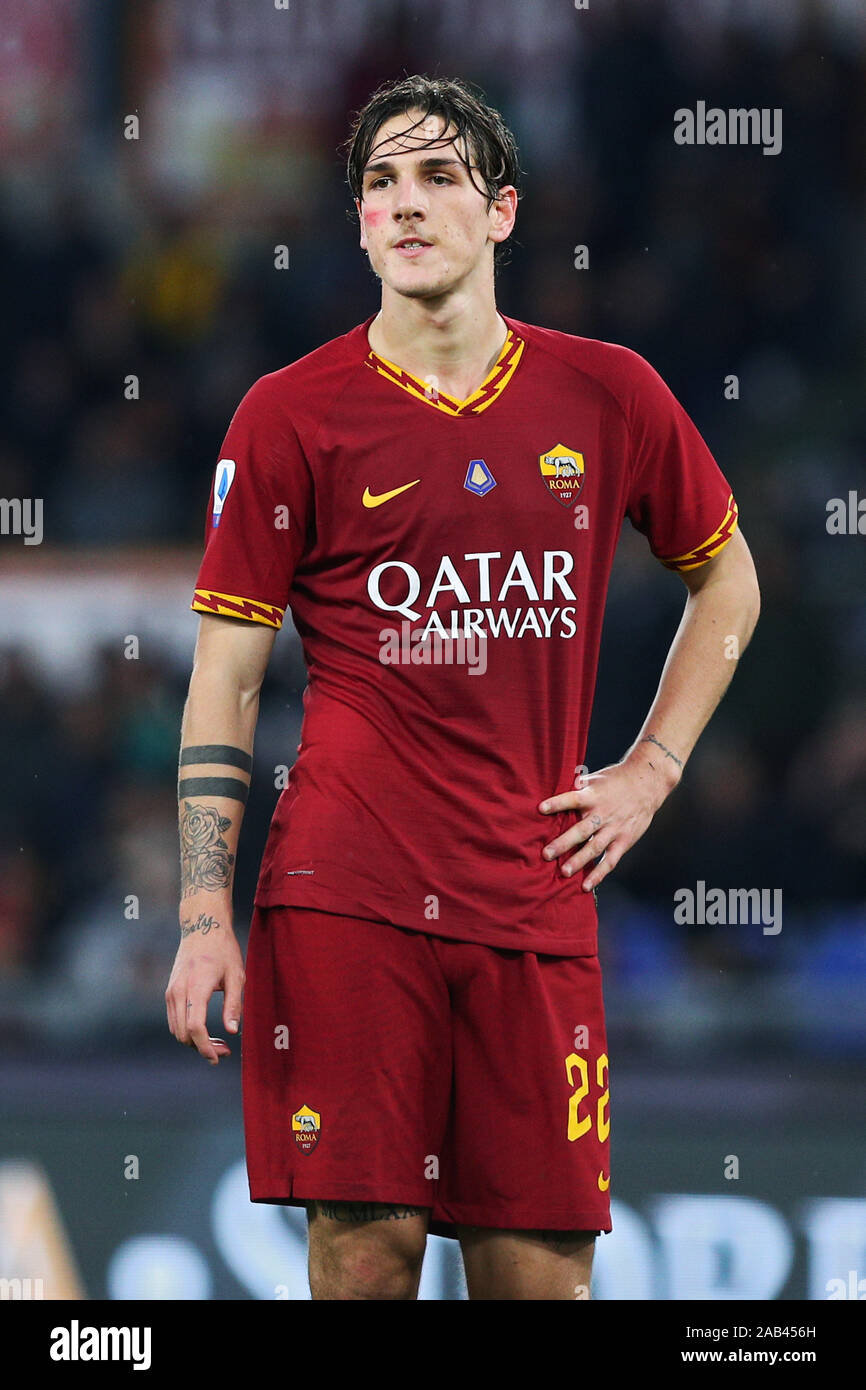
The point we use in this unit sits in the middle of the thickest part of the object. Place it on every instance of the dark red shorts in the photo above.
(387, 1065)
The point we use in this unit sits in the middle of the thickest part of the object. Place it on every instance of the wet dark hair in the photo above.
(487, 139)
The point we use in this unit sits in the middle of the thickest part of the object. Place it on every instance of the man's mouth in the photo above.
(410, 244)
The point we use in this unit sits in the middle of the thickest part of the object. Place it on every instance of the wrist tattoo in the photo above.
(205, 861)
(651, 738)
(203, 923)
(220, 753)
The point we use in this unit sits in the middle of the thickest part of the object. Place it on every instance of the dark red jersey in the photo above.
(446, 564)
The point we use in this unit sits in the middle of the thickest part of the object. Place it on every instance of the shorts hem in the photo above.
(444, 1217)
(527, 940)
(520, 1218)
(291, 1192)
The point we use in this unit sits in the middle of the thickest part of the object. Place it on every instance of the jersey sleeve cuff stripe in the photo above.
(710, 547)
(233, 606)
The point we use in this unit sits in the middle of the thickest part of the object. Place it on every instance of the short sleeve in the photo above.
(679, 498)
(258, 513)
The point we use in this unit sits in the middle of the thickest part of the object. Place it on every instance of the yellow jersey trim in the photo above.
(233, 606)
(490, 389)
(710, 547)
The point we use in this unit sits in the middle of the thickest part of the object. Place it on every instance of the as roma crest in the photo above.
(562, 470)
(306, 1124)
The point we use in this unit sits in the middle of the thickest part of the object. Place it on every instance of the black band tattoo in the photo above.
(205, 860)
(366, 1211)
(203, 923)
(651, 738)
(232, 787)
(216, 753)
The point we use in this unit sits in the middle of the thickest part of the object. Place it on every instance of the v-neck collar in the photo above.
(489, 391)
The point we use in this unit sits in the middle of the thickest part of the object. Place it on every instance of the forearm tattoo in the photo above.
(214, 755)
(203, 923)
(221, 754)
(651, 738)
(231, 787)
(205, 860)
(366, 1211)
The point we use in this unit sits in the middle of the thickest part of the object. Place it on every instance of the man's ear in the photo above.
(360, 213)
(505, 213)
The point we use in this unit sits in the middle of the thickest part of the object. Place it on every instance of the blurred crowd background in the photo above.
(154, 256)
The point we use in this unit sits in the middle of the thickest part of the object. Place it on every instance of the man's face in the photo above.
(424, 225)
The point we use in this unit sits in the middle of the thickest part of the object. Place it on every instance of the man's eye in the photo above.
(443, 177)
(377, 183)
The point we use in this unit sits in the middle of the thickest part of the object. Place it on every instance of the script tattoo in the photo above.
(202, 924)
(205, 861)
(366, 1211)
(651, 738)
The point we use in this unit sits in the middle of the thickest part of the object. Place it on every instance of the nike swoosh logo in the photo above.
(370, 501)
(603, 1182)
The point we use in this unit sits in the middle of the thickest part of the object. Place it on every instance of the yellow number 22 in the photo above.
(577, 1126)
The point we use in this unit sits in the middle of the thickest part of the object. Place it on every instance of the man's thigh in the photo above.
(527, 1145)
(366, 1250)
(553, 1265)
(346, 1060)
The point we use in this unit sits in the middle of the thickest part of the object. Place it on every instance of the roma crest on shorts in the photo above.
(306, 1124)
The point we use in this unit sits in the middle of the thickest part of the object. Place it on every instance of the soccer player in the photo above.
(437, 497)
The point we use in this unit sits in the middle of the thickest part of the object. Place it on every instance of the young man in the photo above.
(437, 496)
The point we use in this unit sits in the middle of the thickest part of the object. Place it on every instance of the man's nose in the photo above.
(409, 202)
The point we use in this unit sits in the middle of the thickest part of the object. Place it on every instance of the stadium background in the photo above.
(154, 257)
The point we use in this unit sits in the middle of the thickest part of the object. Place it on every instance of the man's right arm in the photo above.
(217, 735)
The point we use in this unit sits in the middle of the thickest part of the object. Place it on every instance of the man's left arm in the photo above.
(616, 804)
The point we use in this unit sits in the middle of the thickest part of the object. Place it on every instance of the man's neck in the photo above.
(453, 344)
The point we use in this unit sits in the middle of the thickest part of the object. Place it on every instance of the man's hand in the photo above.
(614, 807)
(208, 960)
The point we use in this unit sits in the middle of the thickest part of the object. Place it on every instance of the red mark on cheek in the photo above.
(374, 216)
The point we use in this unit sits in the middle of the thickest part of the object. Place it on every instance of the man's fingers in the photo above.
(602, 869)
(577, 834)
(199, 1036)
(196, 977)
(186, 1010)
(232, 1005)
(191, 1008)
(563, 801)
(180, 1017)
(170, 1013)
(577, 798)
(593, 849)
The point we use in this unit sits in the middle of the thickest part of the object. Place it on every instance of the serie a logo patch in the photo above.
(306, 1124)
(225, 476)
(479, 479)
(562, 471)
